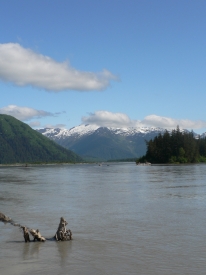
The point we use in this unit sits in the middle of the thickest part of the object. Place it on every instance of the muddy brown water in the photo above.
(125, 219)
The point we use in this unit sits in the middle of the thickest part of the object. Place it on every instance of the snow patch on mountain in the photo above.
(88, 129)
(133, 131)
(63, 133)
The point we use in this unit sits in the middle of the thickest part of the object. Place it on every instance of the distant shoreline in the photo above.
(22, 165)
(36, 164)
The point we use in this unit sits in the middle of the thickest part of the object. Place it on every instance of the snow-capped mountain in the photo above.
(103, 143)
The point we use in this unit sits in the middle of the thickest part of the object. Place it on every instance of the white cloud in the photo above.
(25, 67)
(121, 120)
(109, 119)
(167, 122)
(23, 113)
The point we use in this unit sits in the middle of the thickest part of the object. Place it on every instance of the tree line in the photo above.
(175, 147)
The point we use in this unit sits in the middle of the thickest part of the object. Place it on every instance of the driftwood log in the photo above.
(62, 233)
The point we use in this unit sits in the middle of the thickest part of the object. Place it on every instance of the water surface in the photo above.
(125, 219)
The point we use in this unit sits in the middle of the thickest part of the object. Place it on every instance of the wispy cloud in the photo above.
(24, 113)
(121, 120)
(24, 67)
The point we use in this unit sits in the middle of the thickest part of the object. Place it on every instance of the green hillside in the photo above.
(19, 143)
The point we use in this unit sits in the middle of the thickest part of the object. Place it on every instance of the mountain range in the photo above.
(93, 142)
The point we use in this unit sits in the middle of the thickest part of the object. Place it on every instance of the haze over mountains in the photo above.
(103, 143)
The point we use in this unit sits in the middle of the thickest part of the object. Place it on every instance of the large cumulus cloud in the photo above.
(25, 67)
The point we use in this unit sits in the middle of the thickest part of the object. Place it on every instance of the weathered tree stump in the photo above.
(62, 233)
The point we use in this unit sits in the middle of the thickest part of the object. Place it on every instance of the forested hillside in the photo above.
(19, 143)
(175, 147)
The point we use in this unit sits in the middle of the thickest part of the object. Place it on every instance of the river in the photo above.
(125, 219)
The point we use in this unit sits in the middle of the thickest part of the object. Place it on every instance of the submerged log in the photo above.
(62, 233)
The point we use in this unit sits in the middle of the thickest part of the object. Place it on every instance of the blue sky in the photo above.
(115, 63)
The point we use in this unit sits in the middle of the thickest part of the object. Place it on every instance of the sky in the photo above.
(117, 63)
